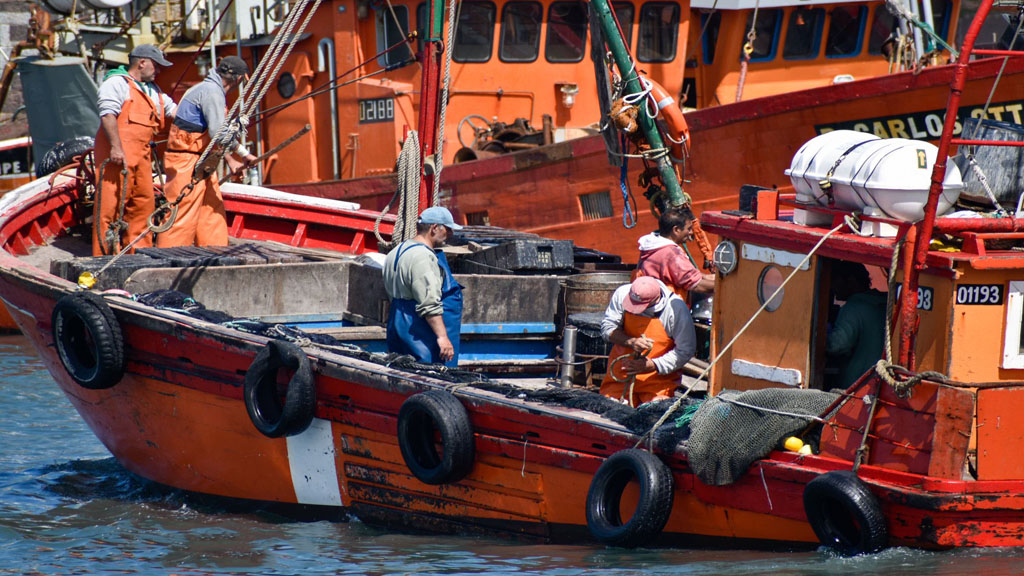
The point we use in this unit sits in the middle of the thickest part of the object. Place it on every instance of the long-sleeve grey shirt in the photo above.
(202, 109)
(417, 276)
(674, 316)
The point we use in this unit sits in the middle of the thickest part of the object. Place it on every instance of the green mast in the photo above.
(629, 74)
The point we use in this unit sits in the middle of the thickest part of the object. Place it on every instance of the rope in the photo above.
(976, 168)
(629, 218)
(902, 11)
(439, 150)
(748, 50)
(679, 401)
(407, 193)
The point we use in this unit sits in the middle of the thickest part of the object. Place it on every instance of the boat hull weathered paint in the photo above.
(732, 145)
(177, 417)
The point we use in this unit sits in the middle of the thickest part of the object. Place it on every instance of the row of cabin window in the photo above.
(805, 27)
(520, 31)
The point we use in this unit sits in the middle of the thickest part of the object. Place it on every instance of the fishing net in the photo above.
(637, 420)
(732, 430)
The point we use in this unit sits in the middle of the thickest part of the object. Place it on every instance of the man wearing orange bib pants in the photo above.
(132, 110)
(652, 328)
(200, 219)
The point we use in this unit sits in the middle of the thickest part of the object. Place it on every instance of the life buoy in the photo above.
(422, 418)
(605, 496)
(674, 123)
(88, 340)
(263, 400)
(844, 514)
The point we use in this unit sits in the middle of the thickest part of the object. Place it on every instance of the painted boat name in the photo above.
(927, 125)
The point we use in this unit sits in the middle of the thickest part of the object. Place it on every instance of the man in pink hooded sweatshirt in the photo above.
(662, 257)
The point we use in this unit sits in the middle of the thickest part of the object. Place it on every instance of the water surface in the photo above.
(67, 507)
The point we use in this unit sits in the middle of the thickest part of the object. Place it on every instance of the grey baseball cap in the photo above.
(232, 65)
(151, 52)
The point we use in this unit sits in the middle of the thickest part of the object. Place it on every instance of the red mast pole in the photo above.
(922, 240)
(430, 88)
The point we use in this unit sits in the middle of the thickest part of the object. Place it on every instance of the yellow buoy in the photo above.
(86, 280)
(793, 444)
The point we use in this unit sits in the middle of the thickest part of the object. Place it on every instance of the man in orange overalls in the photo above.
(652, 328)
(132, 110)
(201, 219)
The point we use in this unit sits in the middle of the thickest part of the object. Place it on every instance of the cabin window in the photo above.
(474, 33)
(766, 34)
(770, 281)
(596, 205)
(881, 28)
(520, 31)
(941, 11)
(659, 29)
(803, 33)
(391, 32)
(1013, 348)
(624, 14)
(710, 25)
(478, 218)
(567, 32)
(845, 30)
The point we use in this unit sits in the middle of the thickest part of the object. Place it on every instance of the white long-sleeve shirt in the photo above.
(674, 316)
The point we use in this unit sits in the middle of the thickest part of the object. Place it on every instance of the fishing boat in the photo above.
(918, 451)
(524, 88)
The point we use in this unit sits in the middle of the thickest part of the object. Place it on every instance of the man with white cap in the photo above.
(653, 337)
(425, 315)
(132, 110)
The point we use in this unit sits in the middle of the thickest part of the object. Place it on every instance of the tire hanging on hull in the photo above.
(88, 340)
(605, 497)
(844, 514)
(269, 415)
(421, 419)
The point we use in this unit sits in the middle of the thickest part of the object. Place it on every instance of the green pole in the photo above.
(626, 69)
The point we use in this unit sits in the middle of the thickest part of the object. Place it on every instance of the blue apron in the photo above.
(409, 333)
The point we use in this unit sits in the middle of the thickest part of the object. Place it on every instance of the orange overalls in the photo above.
(201, 219)
(140, 119)
(650, 385)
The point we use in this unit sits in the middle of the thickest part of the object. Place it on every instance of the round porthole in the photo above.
(286, 85)
(770, 281)
(725, 257)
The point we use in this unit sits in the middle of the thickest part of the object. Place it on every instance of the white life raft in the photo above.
(890, 176)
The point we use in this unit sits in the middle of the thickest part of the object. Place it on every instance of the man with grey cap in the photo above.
(201, 219)
(132, 110)
(425, 316)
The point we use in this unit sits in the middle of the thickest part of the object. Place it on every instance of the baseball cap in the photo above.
(643, 292)
(151, 52)
(233, 65)
(439, 215)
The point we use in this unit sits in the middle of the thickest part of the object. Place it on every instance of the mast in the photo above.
(430, 88)
(627, 69)
(920, 244)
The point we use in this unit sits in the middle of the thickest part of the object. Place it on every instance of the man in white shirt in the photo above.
(132, 110)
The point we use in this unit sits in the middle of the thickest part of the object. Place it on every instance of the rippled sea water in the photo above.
(67, 507)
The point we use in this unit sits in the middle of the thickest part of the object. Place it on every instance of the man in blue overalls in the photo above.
(425, 316)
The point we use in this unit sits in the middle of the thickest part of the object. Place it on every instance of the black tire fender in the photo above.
(844, 514)
(605, 496)
(269, 415)
(88, 340)
(62, 154)
(421, 419)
